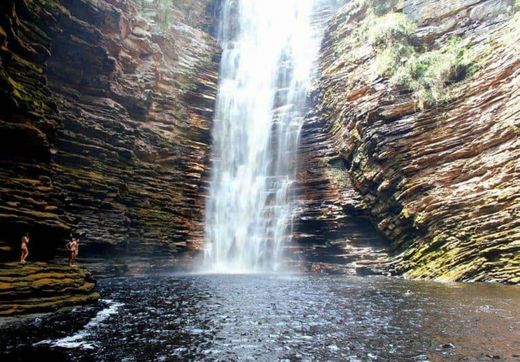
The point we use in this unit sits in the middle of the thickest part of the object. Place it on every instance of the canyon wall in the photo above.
(415, 126)
(105, 123)
(412, 140)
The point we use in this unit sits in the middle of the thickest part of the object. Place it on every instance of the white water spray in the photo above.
(269, 49)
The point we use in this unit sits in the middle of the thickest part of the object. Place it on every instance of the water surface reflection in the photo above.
(291, 317)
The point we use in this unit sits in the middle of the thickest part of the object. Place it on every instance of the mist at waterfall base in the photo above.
(269, 51)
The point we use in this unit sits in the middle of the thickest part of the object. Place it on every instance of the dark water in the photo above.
(267, 317)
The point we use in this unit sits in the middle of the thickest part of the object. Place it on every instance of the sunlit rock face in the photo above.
(431, 151)
(107, 118)
(42, 287)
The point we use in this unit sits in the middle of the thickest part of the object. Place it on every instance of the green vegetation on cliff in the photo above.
(429, 74)
(158, 10)
(440, 182)
(402, 57)
(391, 35)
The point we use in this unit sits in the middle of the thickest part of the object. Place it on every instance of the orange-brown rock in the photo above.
(332, 230)
(41, 287)
(106, 122)
(440, 177)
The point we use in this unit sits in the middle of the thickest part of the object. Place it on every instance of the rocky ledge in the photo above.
(42, 287)
(417, 113)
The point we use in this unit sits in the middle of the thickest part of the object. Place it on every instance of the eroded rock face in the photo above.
(333, 225)
(41, 287)
(332, 230)
(439, 176)
(107, 124)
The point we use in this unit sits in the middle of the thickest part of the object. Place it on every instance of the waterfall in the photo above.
(269, 51)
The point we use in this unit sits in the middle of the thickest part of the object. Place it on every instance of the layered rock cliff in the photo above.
(40, 287)
(414, 131)
(105, 128)
(416, 123)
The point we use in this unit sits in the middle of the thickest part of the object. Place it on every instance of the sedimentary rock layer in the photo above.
(332, 230)
(439, 176)
(107, 118)
(333, 224)
(41, 287)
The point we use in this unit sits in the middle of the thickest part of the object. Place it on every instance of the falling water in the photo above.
(269, 49)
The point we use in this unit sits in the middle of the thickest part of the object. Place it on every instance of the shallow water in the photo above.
(277, 317)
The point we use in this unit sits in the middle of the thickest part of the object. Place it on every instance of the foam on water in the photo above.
(79, 340)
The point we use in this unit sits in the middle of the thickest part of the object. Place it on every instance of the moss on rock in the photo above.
(42, 287)
(407, 61)
(439, 179)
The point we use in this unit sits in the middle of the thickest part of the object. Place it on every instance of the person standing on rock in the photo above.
(25, 248)
(73, 248)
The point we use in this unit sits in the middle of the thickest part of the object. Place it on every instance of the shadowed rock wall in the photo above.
(107, 119)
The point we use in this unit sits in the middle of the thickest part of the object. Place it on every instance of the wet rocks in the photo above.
(41, 287)
(438, 178)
